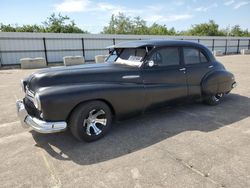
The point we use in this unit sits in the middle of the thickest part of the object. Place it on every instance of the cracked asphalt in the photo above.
(189, 145)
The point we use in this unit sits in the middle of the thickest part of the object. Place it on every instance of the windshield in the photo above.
(129, 56)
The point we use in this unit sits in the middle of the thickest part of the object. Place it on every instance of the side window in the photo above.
(128, 52)
(203, 58)
(194, 56)
(166, 56)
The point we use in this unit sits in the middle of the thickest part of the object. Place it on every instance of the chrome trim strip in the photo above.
(182, 69)
(29, 94)
(30, 98)
(234, 85)
(37, 124)
(21, 112)
(22, 85)
(130, 76)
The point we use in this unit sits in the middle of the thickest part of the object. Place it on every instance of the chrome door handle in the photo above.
(182, 69)
(130, 76)
(211, 66)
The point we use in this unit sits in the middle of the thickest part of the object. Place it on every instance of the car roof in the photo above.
(162, 43)
(154, 43)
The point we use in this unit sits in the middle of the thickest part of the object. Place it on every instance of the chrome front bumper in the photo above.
(37, 124)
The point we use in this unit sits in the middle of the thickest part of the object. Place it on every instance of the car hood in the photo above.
(88, 73)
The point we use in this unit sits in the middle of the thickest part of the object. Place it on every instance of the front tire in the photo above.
(213, 99)
(90, 121)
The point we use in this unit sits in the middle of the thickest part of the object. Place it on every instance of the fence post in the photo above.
(83, 47)
(226, 48)
(113, 41)
(213, 46)
(45, 50)
(238, 46)
(0, 59)
(198, 40)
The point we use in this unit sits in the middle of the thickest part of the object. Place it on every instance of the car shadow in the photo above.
(141, 132)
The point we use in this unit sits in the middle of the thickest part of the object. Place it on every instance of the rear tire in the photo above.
(213, 99)
(90, 121)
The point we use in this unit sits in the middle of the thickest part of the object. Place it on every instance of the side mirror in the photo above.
(151, 63)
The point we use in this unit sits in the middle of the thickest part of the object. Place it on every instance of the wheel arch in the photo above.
(97, 99)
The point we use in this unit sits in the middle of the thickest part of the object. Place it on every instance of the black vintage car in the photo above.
(136, 76)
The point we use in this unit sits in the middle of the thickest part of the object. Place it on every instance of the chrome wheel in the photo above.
(90, 120)
(95, 122)
(218, 96)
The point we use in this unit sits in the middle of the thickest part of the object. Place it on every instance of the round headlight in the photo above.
(37, 101)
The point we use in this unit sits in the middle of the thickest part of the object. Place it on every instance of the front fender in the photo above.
(58, 101)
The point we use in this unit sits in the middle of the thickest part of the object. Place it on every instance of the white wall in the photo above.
(14, 46)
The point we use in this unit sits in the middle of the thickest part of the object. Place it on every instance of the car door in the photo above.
(197, 66)
(166, 79)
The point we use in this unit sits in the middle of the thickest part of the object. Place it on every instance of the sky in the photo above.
(93, 15)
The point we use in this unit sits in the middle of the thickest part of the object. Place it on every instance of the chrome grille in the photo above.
(29, 94)
(31, 109)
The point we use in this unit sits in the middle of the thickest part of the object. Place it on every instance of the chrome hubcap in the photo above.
(95, 122)
(218, 96)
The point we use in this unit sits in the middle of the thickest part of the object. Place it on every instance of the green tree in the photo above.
(139, 26)
(237, 31)
(157, 29)
(30, 28)
(205, 29)
(61, 24)
(24, 28)
(53, 24)
(121, 24)
(7, 28)
(110, 29)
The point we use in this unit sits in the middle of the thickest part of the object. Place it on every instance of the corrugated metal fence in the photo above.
(54, 46)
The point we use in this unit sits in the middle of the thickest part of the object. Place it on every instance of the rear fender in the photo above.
(220, 81)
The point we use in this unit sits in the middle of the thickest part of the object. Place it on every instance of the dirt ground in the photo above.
(191, 145)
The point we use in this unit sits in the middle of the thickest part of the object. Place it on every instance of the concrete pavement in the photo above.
(191, 145)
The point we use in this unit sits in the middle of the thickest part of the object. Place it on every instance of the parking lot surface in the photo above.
(190, 145)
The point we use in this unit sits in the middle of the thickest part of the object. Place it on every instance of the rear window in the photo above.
(194, 56)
